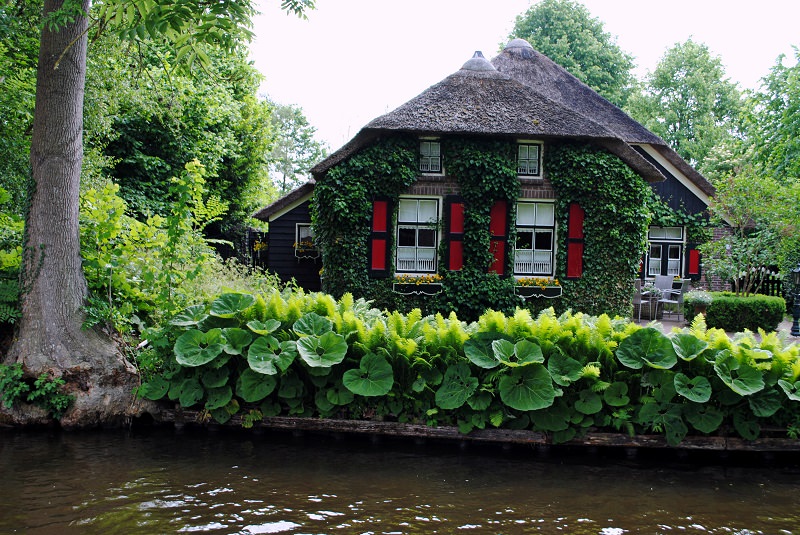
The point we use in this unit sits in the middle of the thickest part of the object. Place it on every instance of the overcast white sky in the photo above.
(354, 60)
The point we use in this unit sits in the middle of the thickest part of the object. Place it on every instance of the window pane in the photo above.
(545, 214)
(524, 239)
(434, 149)
(673, 233)
(407, 212)
(657, 232)
(526, 213)
(427, 211)
(655, 251)
(406, 237)
(544, 240)
(675, 251)
(427, 237)
(304, 232)
(523, 152)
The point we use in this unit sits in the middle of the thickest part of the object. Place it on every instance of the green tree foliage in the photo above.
(168, 118)
(689, 102)
(294, 149)
(742, 204)
(773, 126)
(566, 32)
(19, 46)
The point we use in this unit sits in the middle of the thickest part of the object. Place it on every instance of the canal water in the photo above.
(244, 483)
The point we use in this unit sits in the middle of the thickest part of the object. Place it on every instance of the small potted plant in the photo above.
(698, 300)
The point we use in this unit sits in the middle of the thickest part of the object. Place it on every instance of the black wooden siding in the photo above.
(676, 195)
(281, 258)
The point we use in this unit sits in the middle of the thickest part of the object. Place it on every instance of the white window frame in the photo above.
(532, 261)
(668, 240)
(421, 259)
(524, 171)
(430, 156)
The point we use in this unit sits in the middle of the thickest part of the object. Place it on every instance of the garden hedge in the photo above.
(734, 313)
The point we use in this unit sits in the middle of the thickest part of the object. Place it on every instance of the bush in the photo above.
(736, 313)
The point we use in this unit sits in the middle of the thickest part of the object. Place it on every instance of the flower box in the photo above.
(312, 254)
(548, 292)
(412, 288)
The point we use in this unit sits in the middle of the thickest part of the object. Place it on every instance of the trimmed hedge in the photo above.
(736, 313)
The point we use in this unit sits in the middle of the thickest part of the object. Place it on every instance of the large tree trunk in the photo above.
(50, 338)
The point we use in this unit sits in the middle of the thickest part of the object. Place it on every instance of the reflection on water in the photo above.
(251, 484)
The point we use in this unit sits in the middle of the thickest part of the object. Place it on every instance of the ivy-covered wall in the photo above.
(613, 197)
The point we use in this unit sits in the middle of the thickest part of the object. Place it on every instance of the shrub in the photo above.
(735, 314)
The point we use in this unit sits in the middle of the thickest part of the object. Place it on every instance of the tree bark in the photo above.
(53, 288)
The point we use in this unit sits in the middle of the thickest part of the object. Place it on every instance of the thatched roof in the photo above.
(286, 201)
(520, 61)
(521, 93)
(480, 100)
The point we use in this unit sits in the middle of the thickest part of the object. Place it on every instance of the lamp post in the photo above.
(795, 277)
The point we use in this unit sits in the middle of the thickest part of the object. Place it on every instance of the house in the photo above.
(288, 249)
(504, 174)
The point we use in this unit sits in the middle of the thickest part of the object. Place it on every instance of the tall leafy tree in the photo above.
(50, 338)
(294, 150)
(773, 125)
(566, 32)
(168, 118)
(689, 101)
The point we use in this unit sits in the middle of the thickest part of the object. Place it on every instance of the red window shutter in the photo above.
(379, 239)
(574, 260)
(694, 263)
(498, 231)
(575, 243)
(380, 211)
(455, 234)
(576, 215)
(456, 256)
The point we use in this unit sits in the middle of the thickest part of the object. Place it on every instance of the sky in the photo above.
(354, 60)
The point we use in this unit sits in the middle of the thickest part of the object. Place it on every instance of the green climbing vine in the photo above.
(613, 196)
(697, 226)
(614, 199)
(342, 208)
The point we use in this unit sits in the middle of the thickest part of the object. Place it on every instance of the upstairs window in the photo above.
(430, 157)
(529, 159)
(417, 238)
(533, 252)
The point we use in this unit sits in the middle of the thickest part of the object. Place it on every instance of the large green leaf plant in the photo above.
(292, 353)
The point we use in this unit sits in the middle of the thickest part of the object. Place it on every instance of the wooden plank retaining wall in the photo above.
(498, 436)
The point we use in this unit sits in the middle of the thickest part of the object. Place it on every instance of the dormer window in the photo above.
(529, 159)
(430, 157)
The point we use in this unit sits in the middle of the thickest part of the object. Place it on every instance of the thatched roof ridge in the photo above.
(532, 68)
(479, 100)
(287, 200)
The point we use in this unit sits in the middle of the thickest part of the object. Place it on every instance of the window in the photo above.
(304, 244)
(533, 252)
(665, 251)
(529, 157)
(417, 235)
(430, 157)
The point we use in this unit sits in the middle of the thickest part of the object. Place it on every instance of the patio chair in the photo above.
(673, 298)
